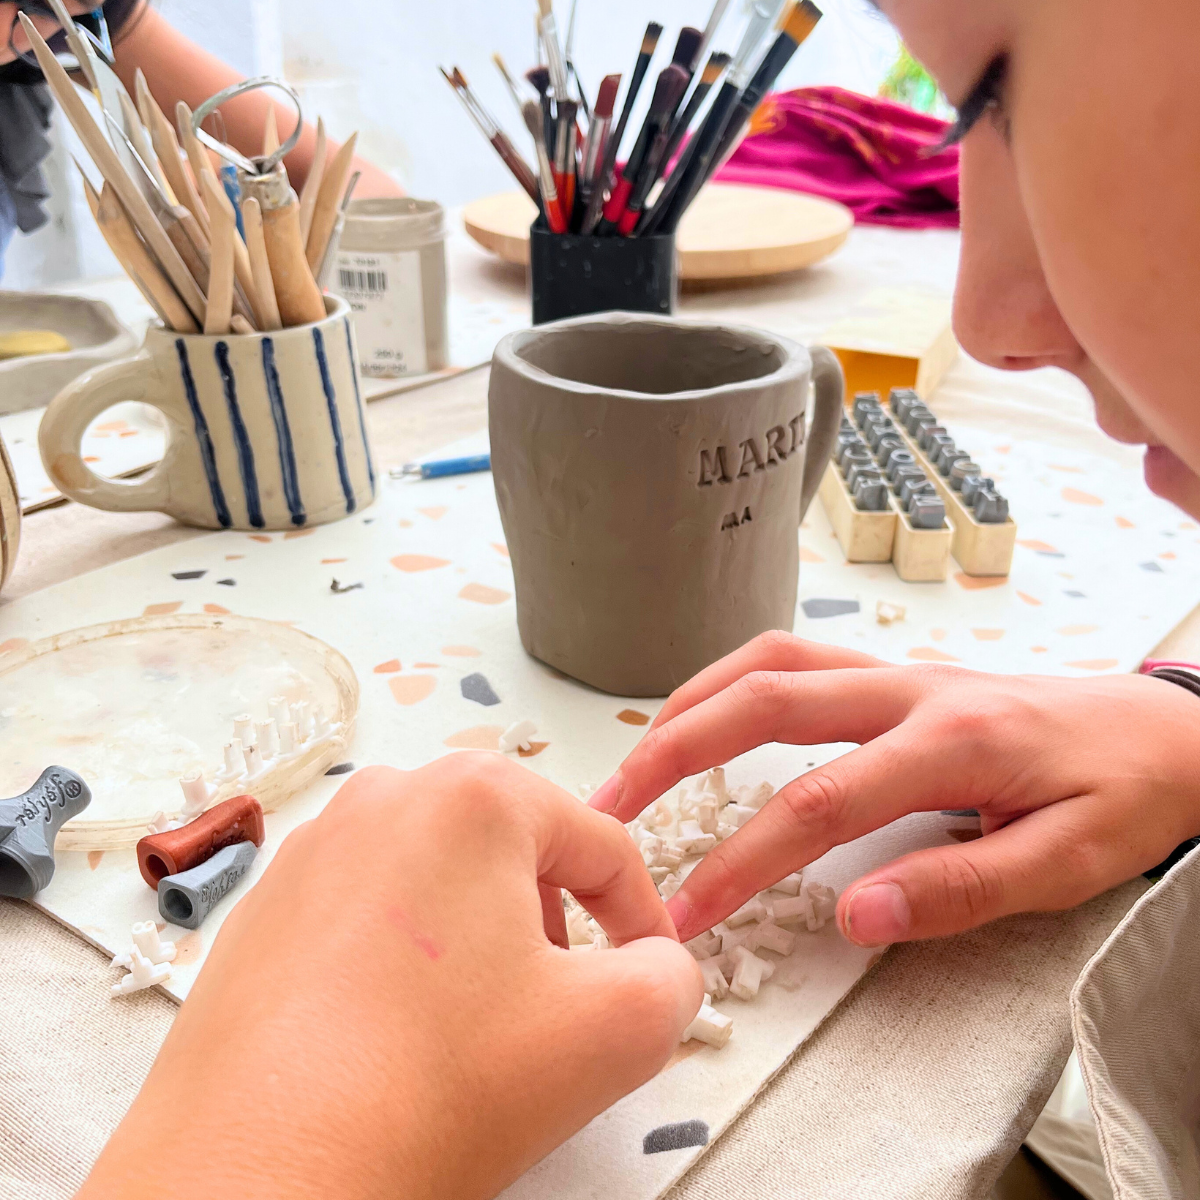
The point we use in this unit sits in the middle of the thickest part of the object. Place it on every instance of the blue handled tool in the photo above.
(446, 466)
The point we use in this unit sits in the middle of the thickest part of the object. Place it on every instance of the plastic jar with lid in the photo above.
(391, 269)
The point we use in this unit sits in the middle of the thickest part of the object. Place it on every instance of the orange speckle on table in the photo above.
(233, 557)
(461, 652)
(435, 512)
(1076, 630)
(534, 748)
(1034, 544)
(810, 556)
(1075, 496)
(94, 857)
(298, 533)
(480, 593)
(938, 635)
(162, 610)
(128, 433)
(478, 737)
(1069, 470)
(258, 537)
(188, 948)
(974, 582)
(1094, 664)
(930, 654)
(425, 666)
(112, 426)
(216, 610)
(388, 668)
(987, 635)
(327, 561)
(500, 548)
(13, 644)
(90, 458)
(1167, 554)
(412, 563)
(1030, 600)
(1038, 649)
(404, 523)
(1187, 524)
(631, 716)
(1125, 523)
(1003, 449)
(411, 689)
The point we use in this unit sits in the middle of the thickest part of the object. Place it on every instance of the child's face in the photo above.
(1081, 243)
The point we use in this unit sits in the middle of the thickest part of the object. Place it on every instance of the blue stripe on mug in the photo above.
(203, 437)
(241, 437)
(335, 423)
(362, 422)
(283, 434)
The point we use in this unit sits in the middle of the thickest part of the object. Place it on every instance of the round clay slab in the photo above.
(731, 231)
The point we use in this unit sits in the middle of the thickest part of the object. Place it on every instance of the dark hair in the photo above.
(117, 14)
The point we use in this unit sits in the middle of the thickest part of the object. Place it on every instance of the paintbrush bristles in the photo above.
(532, 112)
(650, 40)
(801, 20)
(713, 68)
(669, 88)
(686, 47)
(607, 98)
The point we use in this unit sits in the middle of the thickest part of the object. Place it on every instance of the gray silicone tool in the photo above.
(187, 898)
(29, 823)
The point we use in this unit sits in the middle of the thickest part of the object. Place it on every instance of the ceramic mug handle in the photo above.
(829, 388)
(66, 420)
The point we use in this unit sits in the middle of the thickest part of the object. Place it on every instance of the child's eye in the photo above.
(985, 96)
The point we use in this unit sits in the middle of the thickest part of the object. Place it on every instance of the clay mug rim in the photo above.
(797, 360)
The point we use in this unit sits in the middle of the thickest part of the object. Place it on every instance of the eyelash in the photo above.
(986, 96)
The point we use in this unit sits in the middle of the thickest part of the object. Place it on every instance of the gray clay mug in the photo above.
(264, 431)
(651, 476)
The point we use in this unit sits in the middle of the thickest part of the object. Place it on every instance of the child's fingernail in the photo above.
(878, 914)
(604, 798)
(679, 909)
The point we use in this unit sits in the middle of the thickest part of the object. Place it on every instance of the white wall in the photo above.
(372, 66)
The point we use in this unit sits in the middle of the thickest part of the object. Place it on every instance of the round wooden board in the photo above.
(731, 231)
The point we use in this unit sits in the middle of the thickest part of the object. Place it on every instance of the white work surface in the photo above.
(925, 1080)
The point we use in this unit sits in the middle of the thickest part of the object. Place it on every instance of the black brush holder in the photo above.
(573, 276)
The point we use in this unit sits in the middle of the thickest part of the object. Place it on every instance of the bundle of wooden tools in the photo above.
(579, 185)
(213, 249)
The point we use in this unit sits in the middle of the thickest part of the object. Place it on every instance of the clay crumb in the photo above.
(887, 614)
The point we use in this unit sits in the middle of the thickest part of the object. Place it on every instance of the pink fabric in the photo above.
(871, 155)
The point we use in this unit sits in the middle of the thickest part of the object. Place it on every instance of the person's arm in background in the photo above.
(177, 69)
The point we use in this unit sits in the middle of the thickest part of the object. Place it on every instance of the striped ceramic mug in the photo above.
(265, 430)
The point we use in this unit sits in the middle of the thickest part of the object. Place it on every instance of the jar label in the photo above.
(384, 292)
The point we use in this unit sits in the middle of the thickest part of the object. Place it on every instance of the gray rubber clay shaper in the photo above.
(187, 898)
(29, 823)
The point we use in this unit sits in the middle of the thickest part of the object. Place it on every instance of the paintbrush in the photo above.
(312, 184)
(569, 57)
(597, 138)
(513, 90)
(494, 134)
(539, 80)
(649, 44)
(683, 122)
(135, 259)
(554, 55)
(692, 169)
(114, 172)
(651, 140)
(549, 201)
(710, 30)
(564, 157)
(798, 22)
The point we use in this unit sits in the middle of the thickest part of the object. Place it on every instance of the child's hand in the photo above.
(1081, 784)
(383, 1015)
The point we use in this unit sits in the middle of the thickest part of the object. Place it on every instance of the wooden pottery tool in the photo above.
(260, 263)
(130, 195)
(10, 516)
(325, 209)
(167, 148)
(312, 185)
(221, 269)
(297, 296)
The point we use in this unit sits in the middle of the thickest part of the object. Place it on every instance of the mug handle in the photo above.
(829, 387)
(64, 423)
